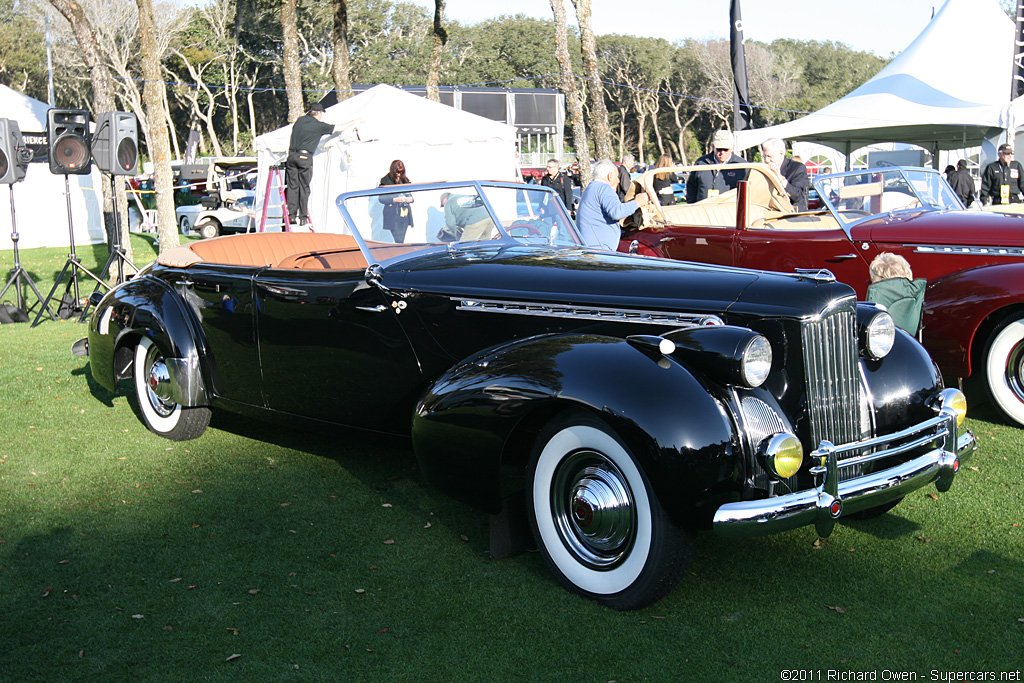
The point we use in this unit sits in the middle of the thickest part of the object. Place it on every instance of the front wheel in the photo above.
(1004, 369)
(185, 226)
(595, 518)
(208, 229)
(159, 411)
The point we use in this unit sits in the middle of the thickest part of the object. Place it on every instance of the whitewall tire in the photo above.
(1004, 369)
(595, 518)
(152, 391)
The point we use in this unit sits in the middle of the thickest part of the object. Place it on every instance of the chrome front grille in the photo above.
(834, 396)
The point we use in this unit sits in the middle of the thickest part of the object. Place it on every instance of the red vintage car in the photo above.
(973, 322)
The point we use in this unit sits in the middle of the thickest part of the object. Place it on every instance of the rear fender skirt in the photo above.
(960, 309)
(463, 427)
(147, 306)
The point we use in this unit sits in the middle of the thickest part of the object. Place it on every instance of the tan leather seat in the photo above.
(254, 249)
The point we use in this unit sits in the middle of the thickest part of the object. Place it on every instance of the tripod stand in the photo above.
(117, 257)
(72, 266)
(19, 276)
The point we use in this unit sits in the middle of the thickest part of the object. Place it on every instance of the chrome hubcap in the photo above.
(1015, 369)
(594, 509)
(158, 384)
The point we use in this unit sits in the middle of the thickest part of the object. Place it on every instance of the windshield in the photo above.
(859, 195)
(455, 214)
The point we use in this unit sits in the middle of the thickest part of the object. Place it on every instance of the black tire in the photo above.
(1003, 369)
(208, 229)
(184, 226)
(161, 414)
(596, 521)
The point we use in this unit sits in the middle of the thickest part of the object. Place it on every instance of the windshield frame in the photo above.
(502, 238)
(910, 178)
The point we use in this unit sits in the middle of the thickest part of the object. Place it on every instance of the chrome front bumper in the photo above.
(832, 498)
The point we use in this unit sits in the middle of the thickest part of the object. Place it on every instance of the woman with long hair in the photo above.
(397, 212)
(663, 182)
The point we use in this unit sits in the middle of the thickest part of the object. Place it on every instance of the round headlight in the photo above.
(782, 454)
(881, 335)
(757, 361)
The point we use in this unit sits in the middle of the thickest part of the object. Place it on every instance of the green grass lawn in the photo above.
(263, 552)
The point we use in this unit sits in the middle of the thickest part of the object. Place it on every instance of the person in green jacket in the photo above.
(893, 285)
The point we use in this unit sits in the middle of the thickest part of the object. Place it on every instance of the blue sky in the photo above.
(879, 26)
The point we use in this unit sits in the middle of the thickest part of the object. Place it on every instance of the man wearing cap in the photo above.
(298, 169)
(1001, 181)
(703, 184)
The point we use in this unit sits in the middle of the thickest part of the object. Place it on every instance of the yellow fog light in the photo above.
(954, 400)
(782, 454)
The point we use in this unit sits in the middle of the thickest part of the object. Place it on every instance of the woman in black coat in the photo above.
(397, 212)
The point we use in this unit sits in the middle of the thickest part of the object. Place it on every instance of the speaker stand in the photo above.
(71, 266)
(19, 276)
(117, 257)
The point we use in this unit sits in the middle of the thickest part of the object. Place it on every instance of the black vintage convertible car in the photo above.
(617, 403)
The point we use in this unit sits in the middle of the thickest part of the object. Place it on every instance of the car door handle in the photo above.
(843, 257)
(379, 308)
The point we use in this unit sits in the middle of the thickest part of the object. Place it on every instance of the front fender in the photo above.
(464, 425)
(960, 308)
(147, 306)
(901, 385)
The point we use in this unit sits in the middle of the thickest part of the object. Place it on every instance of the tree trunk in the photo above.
(292, 76)
(599, 127)
(567, 84)
(440, 40)
(158, 141)
(340, 68)
(103, 100)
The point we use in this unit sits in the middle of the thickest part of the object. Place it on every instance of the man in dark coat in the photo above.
(792, 173)
(298, 169)
(559, 182)
(962, 183)
(1001, 181)
(703, 184)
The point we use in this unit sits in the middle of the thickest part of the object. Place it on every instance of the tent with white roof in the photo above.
(40, 204)
(436, 142)
(948, 90)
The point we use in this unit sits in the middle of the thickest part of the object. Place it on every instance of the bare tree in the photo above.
(598, 111)
(153, 94)
(573, 97)
(340, 68)
(103, 100)
(290, 60)
(440, 40)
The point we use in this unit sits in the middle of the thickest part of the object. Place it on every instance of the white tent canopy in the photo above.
(948, 90)
(436, 142)
(40, 204)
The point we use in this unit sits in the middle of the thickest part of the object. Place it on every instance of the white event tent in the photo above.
(436, 142)
(40, 202)
(950, 89)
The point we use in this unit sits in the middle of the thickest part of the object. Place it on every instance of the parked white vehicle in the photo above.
(234, 214)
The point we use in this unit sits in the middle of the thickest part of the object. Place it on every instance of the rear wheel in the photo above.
(158, 409)
(208, 229)
(596, 520)
(185, 225)
(1004, 369)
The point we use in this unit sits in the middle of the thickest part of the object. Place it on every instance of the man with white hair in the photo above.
(793, 174)
(600, 210)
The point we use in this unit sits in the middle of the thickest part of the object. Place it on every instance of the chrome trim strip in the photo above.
(782, 513)
(960, 250)
(622, 315)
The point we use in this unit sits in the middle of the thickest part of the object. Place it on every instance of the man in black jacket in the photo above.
(703, 184)
(962, 183)
(1001, 181)
(793, 174)
(559, 182)
(298, 169)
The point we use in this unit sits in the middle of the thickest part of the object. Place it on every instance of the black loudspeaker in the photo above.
(67, 132)
(115, 146)
(13, 157)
